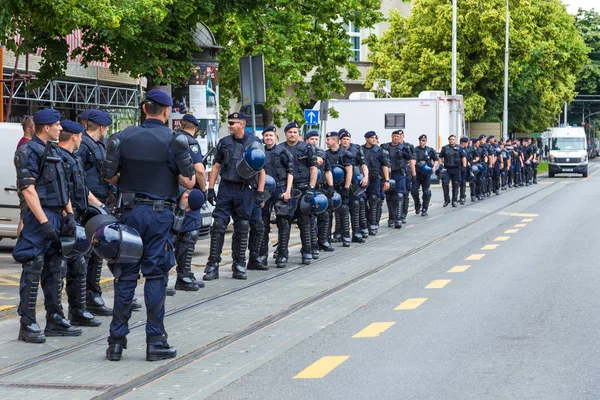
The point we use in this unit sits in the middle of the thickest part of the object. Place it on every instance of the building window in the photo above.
(354, 34)
(394, 121)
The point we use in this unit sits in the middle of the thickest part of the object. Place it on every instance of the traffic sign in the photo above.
(311, 117)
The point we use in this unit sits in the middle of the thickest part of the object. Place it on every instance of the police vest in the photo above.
(76, 174)
(399, 156)
(234, 151)
(424, 154)
(144, 162)
(275, 165)
(52, 185)
(93, 168)
(301, 156)
(451, 156)
(373, 157)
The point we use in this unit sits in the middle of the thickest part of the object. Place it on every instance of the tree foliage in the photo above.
(546, 55)
(305, 45)
(588, 25)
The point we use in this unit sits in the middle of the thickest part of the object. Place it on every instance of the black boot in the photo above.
(392, 204)
(405, 208)
(217, 237)
(446, 189)
(345, 215)
(283, 228)
(114, 352)
(305, 238)
(364, 224)
(454, 196)
(314, 237)
(323, 229)
(398, 210)
(373, 224)
(241, 229)
(184, 251)
(57, 325)
(94, 301)
(31, 333)
(426, 200)
(255, 239)
(355, 222)
(337, 233)
(78, 314)
(160, 352)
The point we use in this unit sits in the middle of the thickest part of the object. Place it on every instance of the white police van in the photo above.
(10, 134)
(568, 151)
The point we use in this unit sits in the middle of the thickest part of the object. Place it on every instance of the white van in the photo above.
(10, 134)
(568, 151)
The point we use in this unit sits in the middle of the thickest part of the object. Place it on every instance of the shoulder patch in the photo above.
(194, 148)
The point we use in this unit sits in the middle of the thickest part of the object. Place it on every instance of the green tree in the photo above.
(546, 55)
(305, 45)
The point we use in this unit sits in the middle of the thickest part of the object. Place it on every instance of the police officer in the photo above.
(401, 168)
(69, 142)
(186, 238)
(358, 208)
(505, 171)
(474, 161)
(148, 163)
(452, 160)
(464, 170)
(517, 163)
(535, 162)
(43, 180)
(378, 166)
(93, 153)
(320, 222)
(424, 155)
(341, 159)
(483, 162)
(528, 159)
(305, 179)
(236, 195)
(280, 166)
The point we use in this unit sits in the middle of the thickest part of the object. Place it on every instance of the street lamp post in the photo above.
(505, 112)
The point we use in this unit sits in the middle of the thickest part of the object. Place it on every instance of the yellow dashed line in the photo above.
(511, 231)
(475, 257)
(374, 330)
(520, 225)
(321, 367)
(490, 247)
(501, 238)
(459, 268)
(524, 215)
(4, 308)
(527, 220)
(411, 304)
(106, 280)
(438, 283)
(8, 282)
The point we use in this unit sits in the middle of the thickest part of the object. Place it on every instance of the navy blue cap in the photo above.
(474, 140)
(269, 128)
(370, 134)
(46, 116)
(291, 125)
(454, 136)
(343, 130)
(195, 199)
(84, 115)
(71, 126)
(398, 132)
(464, 139)
(159, 97)
(423, 136)
(237, 115)
(481, 137)
(100, 117)
(344, 134)
(333, 134)
(312, 134)
(190, 118)
(491, 137)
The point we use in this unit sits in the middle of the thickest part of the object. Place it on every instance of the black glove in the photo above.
(48, 231)
(212, 197)
(329, 192)
(309, 195)
(68, 225)
(345, 192)
(259, 197)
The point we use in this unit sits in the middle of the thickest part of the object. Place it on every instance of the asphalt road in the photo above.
(491, 300)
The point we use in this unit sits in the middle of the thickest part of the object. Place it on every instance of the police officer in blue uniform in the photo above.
(528, 158)
(423, 154)
(505, 171)
(452, 159)
(378, 166)
(43, 180)
(186, 238)
(69, 142)
(474, 160)
(305, 179)
(236, 196)
(400, 158)
(280, 166)
(464, 171)
(93, 153)
(147, 163)
(342, 159)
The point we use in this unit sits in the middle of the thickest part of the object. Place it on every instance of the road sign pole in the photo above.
(252, 97)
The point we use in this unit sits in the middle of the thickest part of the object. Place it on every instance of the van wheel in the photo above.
(550, 174)
(585, 174)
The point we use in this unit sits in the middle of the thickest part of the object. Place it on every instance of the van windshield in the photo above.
(568, 144)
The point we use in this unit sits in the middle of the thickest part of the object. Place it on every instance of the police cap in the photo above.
(159, 97)
(46, 116)
(491, 137)
(423, 136)
(100, 117)
(270, 128)
(370, 134)
(71, 126)
(344, 134)
(451, 136)
(84, 115)
(291, 125)
(195, 199)
(481, 137)
(333, 134)
(398, 132)
(474, 140)
(237, 115)
(191, 119)
(312, 134)
(464, 139)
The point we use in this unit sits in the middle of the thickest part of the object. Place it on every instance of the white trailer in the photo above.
(429, 114)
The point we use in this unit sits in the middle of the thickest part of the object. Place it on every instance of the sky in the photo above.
(574, 5)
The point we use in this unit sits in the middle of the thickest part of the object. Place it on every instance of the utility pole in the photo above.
(505, 112)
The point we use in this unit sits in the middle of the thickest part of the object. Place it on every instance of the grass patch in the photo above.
(543, 167)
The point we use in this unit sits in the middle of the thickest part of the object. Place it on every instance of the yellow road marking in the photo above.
(8, 282)
(527, 220)
(106, 280)
(524, 215)
(4, 308)
(490, 247)
(475, 257)
(520, 225)
(321, 367)
(374, 330)
(501, 238)
(459, 268)
(411, 304)
(511, 231)
(438, 283)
